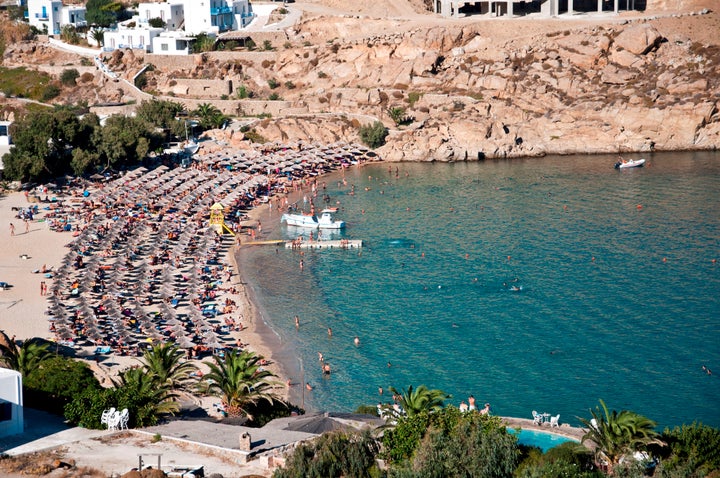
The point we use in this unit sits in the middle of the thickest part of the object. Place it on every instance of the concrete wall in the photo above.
(11, 402)
(195, 87)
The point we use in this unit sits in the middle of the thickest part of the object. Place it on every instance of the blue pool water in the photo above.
(542, 440)
(620, 298)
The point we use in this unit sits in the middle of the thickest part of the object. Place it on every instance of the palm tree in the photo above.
(421, 399)
(145, 391)
(165, 364)
(239, 381)
(618, 434)
(98, 35)
(25, 358)
(209, 115)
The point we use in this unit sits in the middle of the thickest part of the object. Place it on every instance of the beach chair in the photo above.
(537, 418)
(124, 419)
(113, 421)
(555, 421)
(105, 416)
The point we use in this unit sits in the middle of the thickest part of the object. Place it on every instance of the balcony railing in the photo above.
(220, 10)
(42, 16)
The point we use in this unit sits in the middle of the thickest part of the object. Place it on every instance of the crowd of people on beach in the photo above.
(146, 266)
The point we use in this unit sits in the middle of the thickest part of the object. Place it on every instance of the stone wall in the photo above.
(197, 87)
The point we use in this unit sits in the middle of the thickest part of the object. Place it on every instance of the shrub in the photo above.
(274, 97)
(255, 137)
(242, 92)
(373, 135)
(413, 97)
(322, 74)
(289, 85)
(55, 382)
(157, 22)
(273, 83)
(287, 45)
(397, 114)
(87, 77)
(267, 45)
(68, 76)
(51, 91)
(333, 454)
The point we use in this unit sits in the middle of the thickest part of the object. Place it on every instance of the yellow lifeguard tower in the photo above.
(217, 219)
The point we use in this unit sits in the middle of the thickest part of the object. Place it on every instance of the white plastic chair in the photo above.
(113, 421)
(106, 415)
(537, 418)
(123, 419)
(555, 421)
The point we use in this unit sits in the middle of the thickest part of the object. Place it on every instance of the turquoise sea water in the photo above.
(429, 292)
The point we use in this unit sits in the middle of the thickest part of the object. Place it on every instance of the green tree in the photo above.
(616, 434)
(56, 381)
(125, 140)
(44, 140)
(568, 459)
(474, 448)
(373, 135)
(335, 454)
(166, 366)
(209, 116)
(692, 450)
(421, 399)
(26, 357)
(100, 12)
(144, 397)
(162, 114)
(98, 34)
(238, 380)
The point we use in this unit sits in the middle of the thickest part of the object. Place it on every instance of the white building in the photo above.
(171, 13)
(172, 43)
(215, 16)
(11, 403)
(45, 15)
(5, 139)
(134, 37)
(73, 15)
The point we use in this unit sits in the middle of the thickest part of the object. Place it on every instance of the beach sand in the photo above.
(22, 307)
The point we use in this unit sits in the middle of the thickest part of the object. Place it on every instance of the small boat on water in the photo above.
(633, 163)
(324, 221)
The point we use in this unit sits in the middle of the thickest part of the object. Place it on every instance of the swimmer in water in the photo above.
(356, 341)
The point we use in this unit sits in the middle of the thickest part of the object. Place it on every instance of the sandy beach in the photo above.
(132, 260)
(23, 308)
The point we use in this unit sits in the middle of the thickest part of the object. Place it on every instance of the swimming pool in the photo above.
(540, 439)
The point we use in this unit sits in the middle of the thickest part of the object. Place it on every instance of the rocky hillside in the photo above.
(467, 88)
(615, 88)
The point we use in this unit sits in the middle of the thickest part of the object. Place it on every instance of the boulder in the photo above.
(639, 39)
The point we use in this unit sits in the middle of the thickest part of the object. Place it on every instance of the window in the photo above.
(164, 47)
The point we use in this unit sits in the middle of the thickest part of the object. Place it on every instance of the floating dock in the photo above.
(342, 244)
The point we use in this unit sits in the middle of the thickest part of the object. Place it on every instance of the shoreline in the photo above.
(25, 313)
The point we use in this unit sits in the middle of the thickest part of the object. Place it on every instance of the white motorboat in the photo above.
(324, 221)
(633, 163)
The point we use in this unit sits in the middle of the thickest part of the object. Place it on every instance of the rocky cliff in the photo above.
(468, 88)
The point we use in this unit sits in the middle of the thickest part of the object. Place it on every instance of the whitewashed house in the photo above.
(172, 43)
(11, 403)
(45, 15)
(133, 37)
(73, 15)
(171, 13)
(5, 139)
(216, 16)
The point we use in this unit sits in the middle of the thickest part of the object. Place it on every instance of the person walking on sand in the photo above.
(12, 229)
(27, 226)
